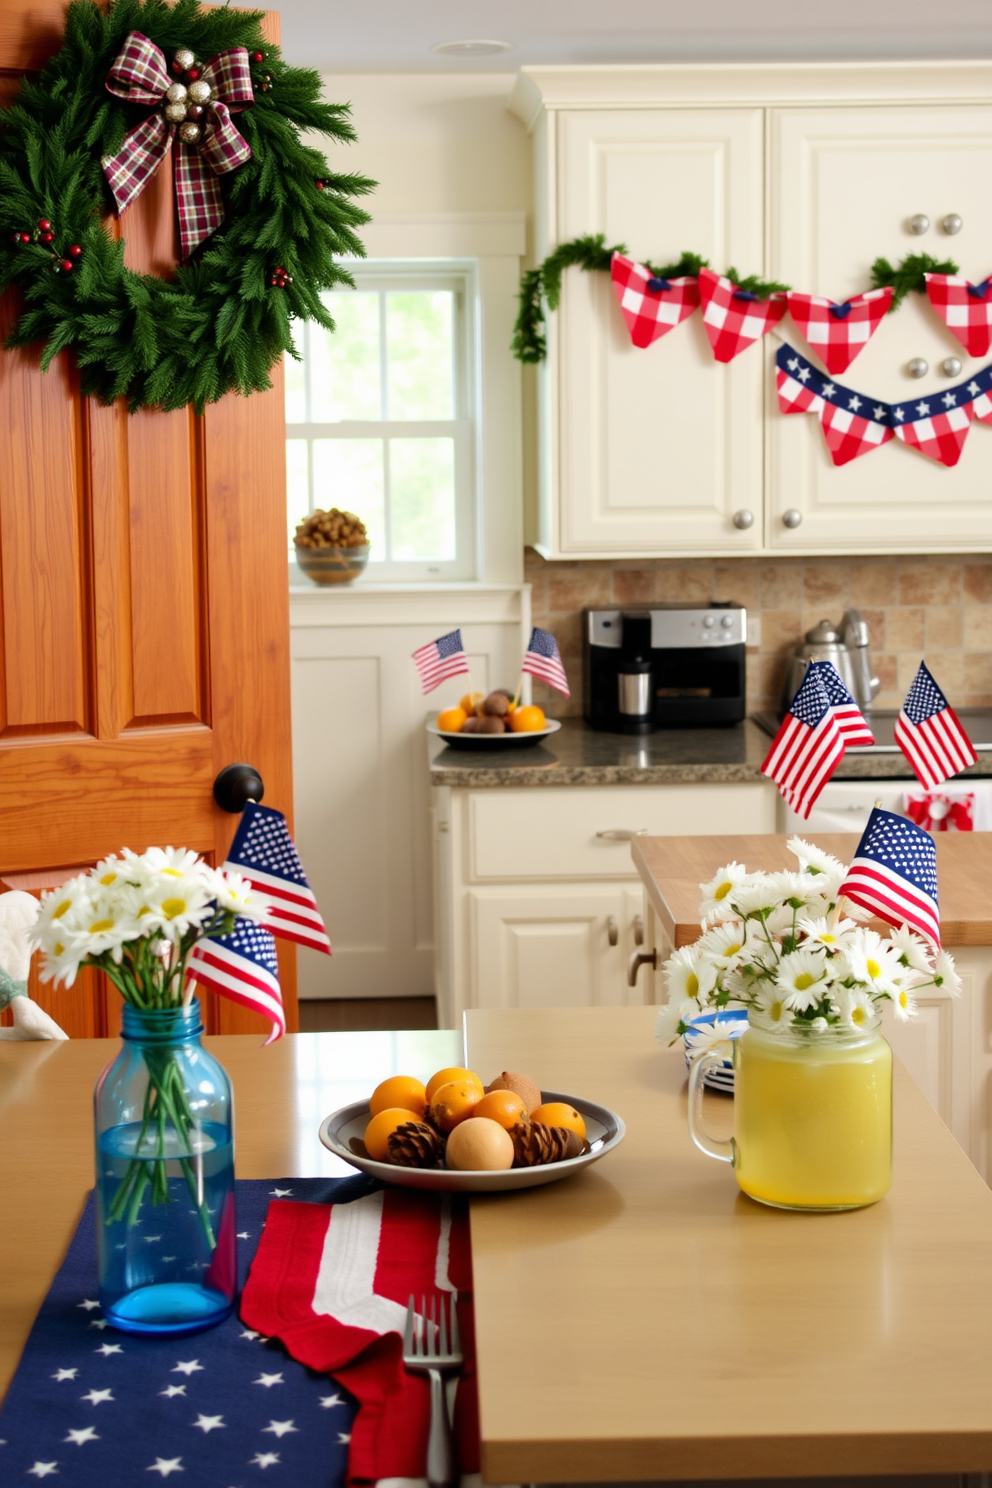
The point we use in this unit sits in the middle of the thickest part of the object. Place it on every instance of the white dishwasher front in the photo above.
(845, 805)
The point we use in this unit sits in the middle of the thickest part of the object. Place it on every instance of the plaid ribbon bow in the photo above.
(141, 75)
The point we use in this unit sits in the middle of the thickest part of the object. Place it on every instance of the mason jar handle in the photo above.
(722, 1151)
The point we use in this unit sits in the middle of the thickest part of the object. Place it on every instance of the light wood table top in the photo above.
(673, 868)
(646, 1320)
(281, 1094)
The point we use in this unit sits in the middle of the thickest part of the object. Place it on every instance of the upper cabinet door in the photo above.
(844, 183)
(654, 451)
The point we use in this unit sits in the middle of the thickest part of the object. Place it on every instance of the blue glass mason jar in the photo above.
(166, 1236)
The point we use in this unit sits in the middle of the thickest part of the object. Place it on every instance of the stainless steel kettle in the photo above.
(847, 646)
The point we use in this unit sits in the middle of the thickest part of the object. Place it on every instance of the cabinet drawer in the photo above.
(538, 834)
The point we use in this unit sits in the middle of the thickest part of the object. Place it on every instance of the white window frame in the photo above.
(398, 275)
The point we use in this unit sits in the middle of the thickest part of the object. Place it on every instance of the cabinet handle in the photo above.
(621, 834)
(951, 366)
(951, 224)
(918, 367)
(743, 519)
(638, 929)
(612, 930)
(637, 960)
(919, 224)
(792, 518)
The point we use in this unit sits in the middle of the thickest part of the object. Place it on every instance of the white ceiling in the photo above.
(397, 35)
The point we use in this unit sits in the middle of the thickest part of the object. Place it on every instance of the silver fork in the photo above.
(431, 1347)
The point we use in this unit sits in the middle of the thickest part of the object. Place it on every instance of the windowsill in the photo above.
(449, 586)
(414, 605)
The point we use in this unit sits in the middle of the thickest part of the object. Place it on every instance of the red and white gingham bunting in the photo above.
(651, 307)
(140, 75)
(735, 318)
(837, 332)
(933, 428)
(847, 431)
(965, 309)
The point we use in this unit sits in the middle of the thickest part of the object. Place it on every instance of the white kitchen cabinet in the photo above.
(843, 184)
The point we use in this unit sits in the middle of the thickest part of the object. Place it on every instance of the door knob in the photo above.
(612, 930)
(743, 519)
(236, 785)
(637, 960)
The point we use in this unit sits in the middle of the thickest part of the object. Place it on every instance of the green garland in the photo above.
(220, 323)
(543, 284)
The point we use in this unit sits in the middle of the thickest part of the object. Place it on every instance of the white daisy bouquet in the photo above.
(137, 917)
(787, 948)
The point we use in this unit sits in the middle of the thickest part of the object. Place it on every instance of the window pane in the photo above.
(296, 390)
(344, 367)
(419, 330)
(347, 473)
(297, 484)
(422, 493)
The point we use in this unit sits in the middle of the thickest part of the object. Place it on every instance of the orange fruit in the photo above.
(451, 720)
(453, 1103)
(445, 1077)
(504, 1107)
(400, 1093)
(527, 720)
(557, 1113)
(381, 1127)
(470, 702)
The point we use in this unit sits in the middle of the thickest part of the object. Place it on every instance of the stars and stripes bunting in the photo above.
(850, 719)
(808, 746)
(243, 968)
(837, 332)
(930, 734)
(265, 854)
(542, 660)
(894, 874)
(651, 306)
(441, 659)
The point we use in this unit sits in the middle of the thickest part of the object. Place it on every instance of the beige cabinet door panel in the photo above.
(548, 948)
(657, 448)
(843, 184)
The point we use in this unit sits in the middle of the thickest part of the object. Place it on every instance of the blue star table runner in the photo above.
(93, 1408)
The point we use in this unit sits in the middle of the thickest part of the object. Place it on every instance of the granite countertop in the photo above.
(579, 755)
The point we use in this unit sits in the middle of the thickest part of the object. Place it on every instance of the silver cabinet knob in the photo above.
(612, 930)
(951, 366)
(792, 518)
(637, 960)
(951, 224)
(743, 519)
(919, 224)
(918, 367)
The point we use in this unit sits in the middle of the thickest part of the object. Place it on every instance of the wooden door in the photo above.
(144, 605)
(657, 449)
(844, 183)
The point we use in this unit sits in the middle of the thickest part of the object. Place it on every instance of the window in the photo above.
(380, 418)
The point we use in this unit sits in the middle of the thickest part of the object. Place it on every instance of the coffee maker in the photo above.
(671, 666)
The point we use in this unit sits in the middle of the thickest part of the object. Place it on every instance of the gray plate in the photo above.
(494, 741)
(604, 1131)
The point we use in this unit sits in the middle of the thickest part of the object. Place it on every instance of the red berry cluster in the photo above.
(43, 234)
(279, 279)
(266, 85)
(320, 184)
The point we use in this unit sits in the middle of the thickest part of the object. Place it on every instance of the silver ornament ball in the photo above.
(199, 92)
(189, 133)
(176, 93)
(175, 113)
(184, 58)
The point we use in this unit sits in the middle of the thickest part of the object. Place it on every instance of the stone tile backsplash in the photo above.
(939, 608)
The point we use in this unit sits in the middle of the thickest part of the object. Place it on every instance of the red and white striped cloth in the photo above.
(651, 306)
(837, 332)
(965, 309)
(332, 1282)
(852, 425)
(735, 318)
(930, 734)
(808, 746)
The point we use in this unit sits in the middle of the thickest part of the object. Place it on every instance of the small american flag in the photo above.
(441, 659)
(930, 735)
(542, 660)
(894, 874)
(850, 719)
(808, 746)
(265, 854)
(242, 966)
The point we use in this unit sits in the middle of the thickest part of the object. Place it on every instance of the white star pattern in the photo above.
(974, 388)
(280, 1428)
(89, 1304)
(878, 411)
(249, 1333)
(804, 374)
(151, 1239)
(171, 1390)
(165, 1466)
(43, 1469)
(64, 1374)
(922, 408)
(793, 366)
(828, 389)
(209, 1423)
(166, 1259)
(280, 1193)
(188, 1366)
(899, 414)
(264, 1459)
(328, 1400)
(79, 1437)
(244, 1235)
(109, 1348)
(100, 1323)
(344, 1437)
(854, 402)
(268, 1380)
(97, 1397)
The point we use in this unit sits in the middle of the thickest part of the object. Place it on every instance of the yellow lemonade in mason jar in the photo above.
(813, 1117)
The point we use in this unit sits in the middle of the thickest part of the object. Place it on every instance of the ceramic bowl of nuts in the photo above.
(332, 547)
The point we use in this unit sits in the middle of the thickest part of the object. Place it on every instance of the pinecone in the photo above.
(535, 1143)
(415, 1145)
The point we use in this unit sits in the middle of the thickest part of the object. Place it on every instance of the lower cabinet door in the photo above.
(549, 946)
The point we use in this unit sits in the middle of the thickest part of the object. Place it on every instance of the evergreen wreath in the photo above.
(224, 319)
(542, 285)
